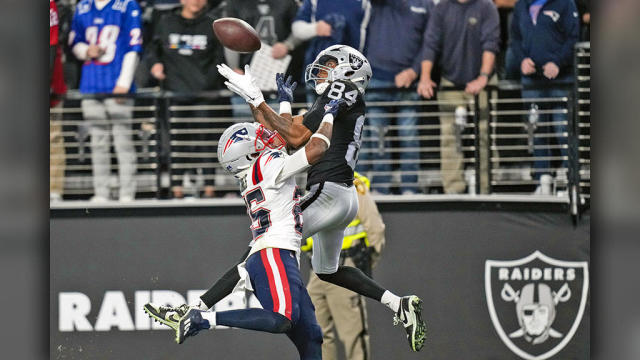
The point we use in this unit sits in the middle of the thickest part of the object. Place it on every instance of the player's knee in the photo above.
(327, 276)
(325, 270)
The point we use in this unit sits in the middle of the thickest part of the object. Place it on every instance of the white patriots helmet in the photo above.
(240, 144)
(352, 66)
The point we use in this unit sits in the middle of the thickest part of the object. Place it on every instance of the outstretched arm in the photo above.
(291, 129)
(318, 144)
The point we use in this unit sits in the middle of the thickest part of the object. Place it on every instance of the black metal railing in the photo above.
(175, 136)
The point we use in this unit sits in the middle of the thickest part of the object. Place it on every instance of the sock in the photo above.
(391, 300)
(210, 316)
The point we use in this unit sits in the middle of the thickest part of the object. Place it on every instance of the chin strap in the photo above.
(321, 88)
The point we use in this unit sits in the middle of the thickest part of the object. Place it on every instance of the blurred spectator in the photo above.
(272, 20)
(329, 22)
(183, 55)
(107, 36)
(395, 65)
(506, 66)
(544, 33)
(57, 87)
(463, 36)
(584, 11)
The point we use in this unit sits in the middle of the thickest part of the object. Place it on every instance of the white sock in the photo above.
(211, 317)
(391, 300)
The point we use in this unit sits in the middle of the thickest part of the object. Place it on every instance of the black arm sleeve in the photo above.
(224, 286)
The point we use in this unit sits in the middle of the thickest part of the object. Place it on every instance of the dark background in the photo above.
(439, 255)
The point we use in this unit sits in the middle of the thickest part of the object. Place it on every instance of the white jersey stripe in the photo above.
(282, 304)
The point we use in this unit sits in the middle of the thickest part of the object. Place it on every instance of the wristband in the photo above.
(285, 107)
(323, 138)
(328, 118)
(487, 75)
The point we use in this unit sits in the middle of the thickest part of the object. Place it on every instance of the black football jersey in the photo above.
(339, 161)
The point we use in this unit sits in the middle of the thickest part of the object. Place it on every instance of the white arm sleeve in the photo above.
(80, 50)
(294, 164)
(129, 64)
(303, 30)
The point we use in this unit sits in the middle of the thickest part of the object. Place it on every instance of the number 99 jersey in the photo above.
(339, 162)
(274, 208)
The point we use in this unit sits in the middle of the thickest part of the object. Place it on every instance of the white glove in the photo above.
(243, 85)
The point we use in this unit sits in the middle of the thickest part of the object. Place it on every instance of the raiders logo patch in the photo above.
(536, 303)
(355, 62)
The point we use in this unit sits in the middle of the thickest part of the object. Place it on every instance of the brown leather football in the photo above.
(236, 35)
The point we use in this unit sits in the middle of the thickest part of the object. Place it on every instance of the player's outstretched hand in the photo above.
(243, 85)
(285, 88)
(334, 106)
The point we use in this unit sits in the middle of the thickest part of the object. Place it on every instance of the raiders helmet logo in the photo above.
(355, 61)
(536, 303)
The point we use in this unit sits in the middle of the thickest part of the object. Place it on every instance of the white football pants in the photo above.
(326, 211)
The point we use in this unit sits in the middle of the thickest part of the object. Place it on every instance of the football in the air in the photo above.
(236, 35)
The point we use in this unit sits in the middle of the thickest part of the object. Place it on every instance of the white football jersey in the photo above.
(274, 208)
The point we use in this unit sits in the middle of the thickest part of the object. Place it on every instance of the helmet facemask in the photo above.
(318, 74)
(266, 138)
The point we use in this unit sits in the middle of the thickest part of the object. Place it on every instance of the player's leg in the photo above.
(121, 116)
(306, 333)
(317, 290)
(334, 207)
(327, 210)
(95, 114)
(275, 283)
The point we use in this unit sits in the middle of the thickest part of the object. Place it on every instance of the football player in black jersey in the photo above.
(339, 72)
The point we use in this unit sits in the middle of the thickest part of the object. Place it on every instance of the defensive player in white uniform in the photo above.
(255, 156)
(339, 72)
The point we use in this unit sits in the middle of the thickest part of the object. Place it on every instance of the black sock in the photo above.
(224, 286)
(355, 280)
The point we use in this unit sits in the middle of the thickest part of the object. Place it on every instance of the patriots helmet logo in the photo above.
(236, 137)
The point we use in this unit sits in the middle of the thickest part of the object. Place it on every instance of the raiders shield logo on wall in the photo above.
(536, 303)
